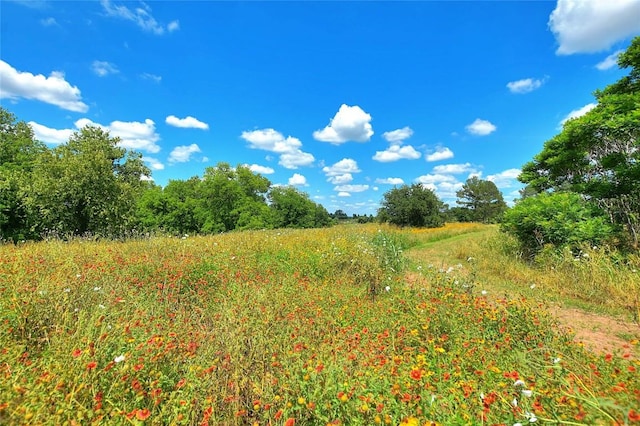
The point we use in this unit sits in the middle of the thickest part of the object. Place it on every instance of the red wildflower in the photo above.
(278, 415)
(181, 383)
(76, 353)
(634, 416)
(143, 414)
(92, 365)
(290, 422)
(416, 374)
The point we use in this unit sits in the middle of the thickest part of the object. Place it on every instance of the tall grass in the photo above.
(275, 327)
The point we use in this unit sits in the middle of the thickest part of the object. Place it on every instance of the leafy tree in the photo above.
(562, 219)
(598, 154)
(18, 153)
(412, 205)
(88, 185)
(293, 209)
(483, 199)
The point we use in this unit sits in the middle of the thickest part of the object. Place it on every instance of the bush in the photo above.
(562, 220)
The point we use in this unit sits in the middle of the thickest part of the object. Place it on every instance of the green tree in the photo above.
(561, 219)
(412, 205)
(18, 153)
(483, 199)
(88, 185)
(293, 209)
(598, 154)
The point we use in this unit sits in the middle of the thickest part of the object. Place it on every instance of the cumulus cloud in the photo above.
(481, 127)
(505, 178)
(104, 68)
(151, 77)
(346, 165)
(141, 16)
(351, 188)
(441, 153)
(291, 156)
(610, 61)
(395, 153)
(263, 170)
(187, 122)
(133, 134)
(54, 90)
(340, 179)
(454, 168)
(344, 194)
(183, 153)
(526, 85)
(49, 22)
(435, 178)
(578, 112)
(49, 135)
(390, 181)
(297, 180)
(153, 163)
(398, 135)
(581, 26)
(350, 123)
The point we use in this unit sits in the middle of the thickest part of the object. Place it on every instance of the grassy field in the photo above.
(334, 326)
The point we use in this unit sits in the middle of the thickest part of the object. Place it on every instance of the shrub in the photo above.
(563, 219)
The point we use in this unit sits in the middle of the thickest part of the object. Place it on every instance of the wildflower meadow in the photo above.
(285, 327)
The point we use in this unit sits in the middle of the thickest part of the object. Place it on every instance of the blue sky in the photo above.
(341, 99)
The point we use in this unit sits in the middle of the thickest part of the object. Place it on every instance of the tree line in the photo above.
(91, 186)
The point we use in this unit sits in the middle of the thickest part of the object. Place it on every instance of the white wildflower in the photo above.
(527, 392)
(97, 288)
(387, 288)
(484, 292)
(518, 382)
(119, 358)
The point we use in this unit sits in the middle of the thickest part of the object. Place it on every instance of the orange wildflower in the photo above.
(143, 414)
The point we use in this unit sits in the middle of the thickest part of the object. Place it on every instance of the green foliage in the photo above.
(293, 209)
(562, 219)
(88, 185)
(598, 153)
(18, 152)
(412, 205)
(483, 199)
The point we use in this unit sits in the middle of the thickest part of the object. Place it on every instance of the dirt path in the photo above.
(599, 333)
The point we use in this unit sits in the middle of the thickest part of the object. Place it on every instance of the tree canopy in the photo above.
(412, 205)
(597, 155)
(483, 199)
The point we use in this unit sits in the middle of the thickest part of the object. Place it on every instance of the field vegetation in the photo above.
(354, 324)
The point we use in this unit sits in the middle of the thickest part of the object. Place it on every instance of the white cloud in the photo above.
(153, 163)
(525, 85)
(344, 194)
(390, 181)
(350, 123)
(182, 154)
(582, 26)
(346, 165)
(49, 22)
(141, 16)
(54, 90)
(187, 122)
(578, 112)
(297, 180)
(454, 168)
(395, 153)
(49, 135)
(442, 153)
(481, 127)
(398, 135)
(256, 168)
(435, 178)
(295, 159)
(152, 77)
(173, 26)
(103, 68)
(610, 61)
(134, 135)
(351, 188)
(340, 179)
(291, 156)
(505, 178)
